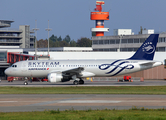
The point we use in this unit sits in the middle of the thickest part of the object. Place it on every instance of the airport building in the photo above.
(125, 41)
(10, 55)
(11, 42)
(21, 37)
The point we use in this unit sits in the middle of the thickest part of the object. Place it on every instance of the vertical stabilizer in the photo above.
(147, 49)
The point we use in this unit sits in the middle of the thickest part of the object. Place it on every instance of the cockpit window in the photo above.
(14, 65)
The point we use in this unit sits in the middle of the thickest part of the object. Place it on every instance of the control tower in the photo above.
(99, 17)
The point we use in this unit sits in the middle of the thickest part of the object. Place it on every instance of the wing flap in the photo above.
(74, 70)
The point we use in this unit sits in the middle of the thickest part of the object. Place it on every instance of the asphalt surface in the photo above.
(87, 83)
(41, 102)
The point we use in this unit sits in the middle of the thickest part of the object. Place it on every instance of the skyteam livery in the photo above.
(76, 70)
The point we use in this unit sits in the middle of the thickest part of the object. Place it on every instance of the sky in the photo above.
(72, 17)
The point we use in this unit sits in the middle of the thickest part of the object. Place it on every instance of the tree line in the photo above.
(55, 41)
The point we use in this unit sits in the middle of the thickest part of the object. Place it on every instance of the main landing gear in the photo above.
(76, 82)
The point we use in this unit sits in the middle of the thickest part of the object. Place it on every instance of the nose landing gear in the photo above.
(26, 81)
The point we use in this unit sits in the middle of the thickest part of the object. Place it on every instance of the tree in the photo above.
(67, 38)
(56, 44)
(67, 42)
(84, 42)
(63, 44)
(59, 39)
(73, 43)
(42, 43)
(51, 43)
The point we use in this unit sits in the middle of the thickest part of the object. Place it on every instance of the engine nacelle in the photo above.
(55, 77)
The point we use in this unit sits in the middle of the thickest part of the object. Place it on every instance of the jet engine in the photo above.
(55, 77)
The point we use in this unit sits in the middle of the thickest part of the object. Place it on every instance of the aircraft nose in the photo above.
(7, 71)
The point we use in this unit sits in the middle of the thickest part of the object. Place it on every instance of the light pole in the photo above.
(48, 29)
(35, 29)
(120, 36)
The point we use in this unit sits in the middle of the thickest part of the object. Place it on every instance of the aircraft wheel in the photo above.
(25, 83)
(81, 82)
(75, 82)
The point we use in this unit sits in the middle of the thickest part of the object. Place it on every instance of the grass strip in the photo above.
(132, 114)
(154, 90)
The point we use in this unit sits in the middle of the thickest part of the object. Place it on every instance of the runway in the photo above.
(87, 83)
(41, 102)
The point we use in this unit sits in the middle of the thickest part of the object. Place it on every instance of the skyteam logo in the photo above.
(116, 67)
(148, 48)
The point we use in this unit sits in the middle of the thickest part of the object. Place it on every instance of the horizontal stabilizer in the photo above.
(147, 63)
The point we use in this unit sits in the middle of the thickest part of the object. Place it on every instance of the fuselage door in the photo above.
(24, 67)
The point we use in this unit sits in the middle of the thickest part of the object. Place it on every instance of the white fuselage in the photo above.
(92, 68)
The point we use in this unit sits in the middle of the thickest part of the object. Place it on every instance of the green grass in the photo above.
(158, 90)
(132, 114)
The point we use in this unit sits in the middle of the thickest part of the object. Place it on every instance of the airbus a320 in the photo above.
(76, 70)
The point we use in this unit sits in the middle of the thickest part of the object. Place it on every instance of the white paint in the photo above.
(100, 29)
(122, 31)
(150, 31)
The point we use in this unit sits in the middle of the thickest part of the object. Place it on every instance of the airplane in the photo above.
(76, 70)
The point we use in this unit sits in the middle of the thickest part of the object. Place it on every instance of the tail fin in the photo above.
(147, 49)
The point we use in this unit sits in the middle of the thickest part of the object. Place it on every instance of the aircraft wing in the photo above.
(70, 72)
(79, 71)
(74, 70)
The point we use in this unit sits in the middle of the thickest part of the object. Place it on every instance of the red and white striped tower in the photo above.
(99, 17)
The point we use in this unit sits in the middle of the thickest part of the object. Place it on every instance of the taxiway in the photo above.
(41, 102)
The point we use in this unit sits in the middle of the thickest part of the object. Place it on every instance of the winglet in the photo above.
(147, 49)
